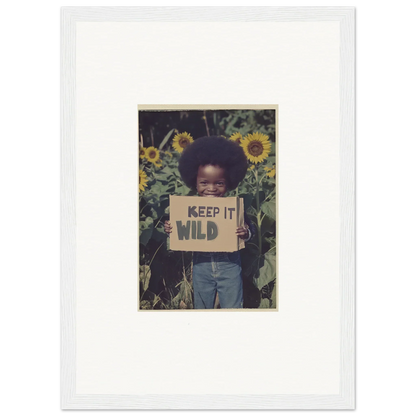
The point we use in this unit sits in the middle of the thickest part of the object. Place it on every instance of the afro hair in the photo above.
(213, 150)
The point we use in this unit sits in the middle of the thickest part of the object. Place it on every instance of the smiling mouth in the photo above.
(211, 195)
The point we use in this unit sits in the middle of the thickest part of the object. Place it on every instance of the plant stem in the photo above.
(183, 267)
(259, 219)
(151, 261)
(159, 220)
(255, 245)
(144, 206)
(271, 248)
(270, 194)
(261, 180)
(206, 122)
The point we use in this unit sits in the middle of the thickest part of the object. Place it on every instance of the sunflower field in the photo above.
(165, 276)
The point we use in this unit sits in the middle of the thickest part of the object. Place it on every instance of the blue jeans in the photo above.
(217, 272)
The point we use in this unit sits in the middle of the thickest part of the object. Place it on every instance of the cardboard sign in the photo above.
(206, 224)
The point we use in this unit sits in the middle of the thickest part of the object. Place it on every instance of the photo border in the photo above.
(213, 107)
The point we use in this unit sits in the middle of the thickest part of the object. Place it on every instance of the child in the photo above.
(212, 166)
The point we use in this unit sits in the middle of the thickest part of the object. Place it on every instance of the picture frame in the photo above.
(301, 59)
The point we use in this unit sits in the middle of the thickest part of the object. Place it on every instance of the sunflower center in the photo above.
(255, 148)
(152, 154)
(183, 142)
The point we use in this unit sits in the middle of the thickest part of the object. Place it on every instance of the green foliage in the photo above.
(165, 276)
(248, 121)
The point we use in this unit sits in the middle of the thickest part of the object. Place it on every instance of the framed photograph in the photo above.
(235, 234)
(208, 198)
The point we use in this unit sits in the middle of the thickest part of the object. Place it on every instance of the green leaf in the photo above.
(269, 208)
(146, 230)
(163, 177)
(159, 192)
(248, 198)
(159, 234)
(274, 296)
(182, 190)
(270, 161)
(145, 304)
(144, 276)
(168, 171)
(154, 213)
(264, 303)
(164, 141)
(270, 240)
(267, 273)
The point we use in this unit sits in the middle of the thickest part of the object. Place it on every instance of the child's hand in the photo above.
(242, 232)
(168, 227)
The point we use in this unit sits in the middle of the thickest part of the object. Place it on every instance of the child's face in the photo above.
(210, 181)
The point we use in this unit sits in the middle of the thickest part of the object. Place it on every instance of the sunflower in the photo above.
(142, 180)
(152, 154)
(168, 153)
(236, 137)
(256, 146)
(271, 172)
(251, 167)
(142, 152)
(182, 140)
(158, 163)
